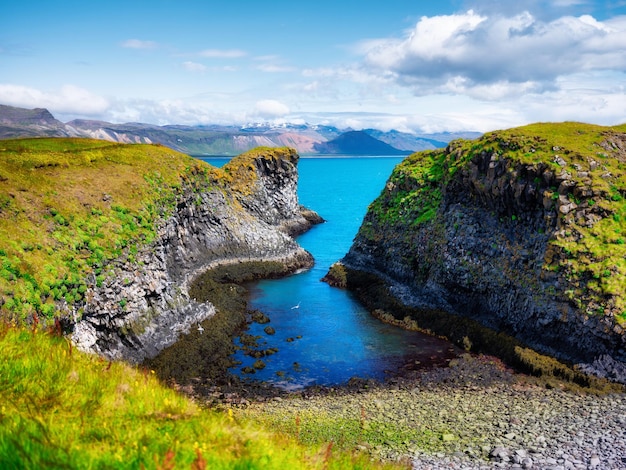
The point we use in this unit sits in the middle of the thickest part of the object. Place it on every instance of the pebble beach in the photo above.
(473, 414)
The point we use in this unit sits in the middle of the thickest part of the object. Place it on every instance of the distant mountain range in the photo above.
(224, 140)
(358, 142)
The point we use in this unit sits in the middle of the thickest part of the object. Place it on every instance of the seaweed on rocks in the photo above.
(474, 337)
(206, 355)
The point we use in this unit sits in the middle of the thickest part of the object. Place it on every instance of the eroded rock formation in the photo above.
(521, 231)
(144, 306)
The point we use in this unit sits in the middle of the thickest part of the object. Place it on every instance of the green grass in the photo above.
(64, 409)
(350, 428)
(70, 206)
(415, 189)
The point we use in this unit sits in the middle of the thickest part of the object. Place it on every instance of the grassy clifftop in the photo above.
(575, 173)
(66, 409)
(68, 207)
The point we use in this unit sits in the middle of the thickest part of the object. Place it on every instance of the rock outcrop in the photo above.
(144, 306)
(521, 230)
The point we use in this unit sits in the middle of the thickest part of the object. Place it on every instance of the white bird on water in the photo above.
(295, 306)
(200, 329)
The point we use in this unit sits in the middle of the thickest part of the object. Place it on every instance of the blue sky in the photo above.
(411, 65)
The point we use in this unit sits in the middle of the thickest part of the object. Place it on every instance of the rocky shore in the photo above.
(473, 414)
(521, 231)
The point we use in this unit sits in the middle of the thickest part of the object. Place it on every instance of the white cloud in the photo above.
(487, 55)
(192, 111)
(270, 109)
(139, 44)
(274, 68)
(222, 53)
(194, 66)
(69, 99)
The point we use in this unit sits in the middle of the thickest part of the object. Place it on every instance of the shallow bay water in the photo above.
(323, 335)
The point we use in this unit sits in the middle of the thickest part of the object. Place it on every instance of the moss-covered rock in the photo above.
(522, 230)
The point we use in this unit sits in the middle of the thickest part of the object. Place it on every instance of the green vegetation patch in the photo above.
(413, 192)
(64, 409)
(70, 206)
(241, 172)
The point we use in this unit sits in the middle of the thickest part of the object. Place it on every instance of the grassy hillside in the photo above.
(64, 409)
(592, 159)
(67, 209)
(68, 206)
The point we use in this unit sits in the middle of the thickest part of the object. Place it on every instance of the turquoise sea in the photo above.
(323, 335)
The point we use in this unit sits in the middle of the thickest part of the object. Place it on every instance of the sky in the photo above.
(412, 65)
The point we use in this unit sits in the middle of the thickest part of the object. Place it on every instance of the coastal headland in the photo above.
(511, 243)
(136, 253)
(106, 239)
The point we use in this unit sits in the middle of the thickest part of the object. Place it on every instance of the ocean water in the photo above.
(323, 335)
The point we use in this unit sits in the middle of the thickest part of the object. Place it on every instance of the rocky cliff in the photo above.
(523, 231)
(250, 219)
(108, 238)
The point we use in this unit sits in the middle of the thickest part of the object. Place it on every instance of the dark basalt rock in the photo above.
(477, 238)
(241, 228)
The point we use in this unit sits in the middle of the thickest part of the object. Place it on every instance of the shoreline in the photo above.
(222, 286)
(385, 301)
(474, 414)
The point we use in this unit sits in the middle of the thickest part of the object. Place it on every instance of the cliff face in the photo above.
(521, 230)
(143, 306)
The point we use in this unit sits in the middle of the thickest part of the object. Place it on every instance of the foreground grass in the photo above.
(64, 409)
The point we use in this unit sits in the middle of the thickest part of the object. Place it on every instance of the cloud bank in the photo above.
(491, 57)
(481, 69)
(69, 99)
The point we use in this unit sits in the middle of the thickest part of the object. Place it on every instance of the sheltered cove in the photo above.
(517, 238)
(145, 297)
(198, 238)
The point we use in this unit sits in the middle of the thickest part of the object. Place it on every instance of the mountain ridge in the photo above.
(209, 139)
(358, 143)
